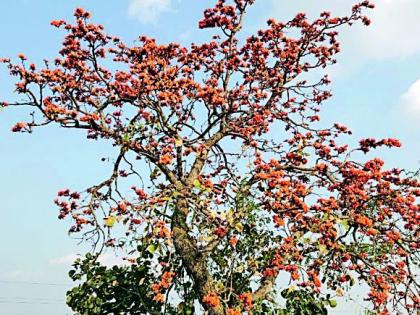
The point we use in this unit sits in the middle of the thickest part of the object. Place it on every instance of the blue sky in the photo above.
(376, 93)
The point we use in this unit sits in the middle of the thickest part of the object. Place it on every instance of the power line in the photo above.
(28, 302)
(29, 299)
(35, 283)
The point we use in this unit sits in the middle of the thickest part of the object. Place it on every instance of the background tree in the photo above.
(226, 187)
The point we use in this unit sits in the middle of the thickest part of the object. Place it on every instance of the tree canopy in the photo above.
(227, 190)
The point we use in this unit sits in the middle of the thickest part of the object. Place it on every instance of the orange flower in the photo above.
(315, 278)
(122, 206)
(165, 159)
(263, 176)
(160, 298)
(18, 127)
(89, 117)
(233, 241)
(362, 220)
(212, 299)
(156, 287)
(278, 221)
(167, 279)
(231, 311)
(295, 275)
(372, 232)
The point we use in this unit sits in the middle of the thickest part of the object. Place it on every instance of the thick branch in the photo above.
(194, 262)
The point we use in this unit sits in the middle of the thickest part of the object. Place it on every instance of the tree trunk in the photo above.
(195, 263)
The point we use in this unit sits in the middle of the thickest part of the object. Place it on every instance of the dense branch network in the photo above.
(234, 182)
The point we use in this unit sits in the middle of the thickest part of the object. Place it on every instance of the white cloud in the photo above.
(148, 11)
(64, 260)
(110, 259)
(393, 33)
(410, 100)
(107, 259)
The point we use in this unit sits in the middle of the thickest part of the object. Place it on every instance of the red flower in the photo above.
(122, 206)
(57, 23)
(63, 192)
(220, 231)
(81, 13)
(136, 221)
(246, 299)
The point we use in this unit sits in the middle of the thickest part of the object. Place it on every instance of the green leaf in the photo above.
(110, 221)
(126, 137)
(239, 227)
(151, 248)
(197, 184)
(345, 224)
(332, 303)
(176, 194)
(323, 249)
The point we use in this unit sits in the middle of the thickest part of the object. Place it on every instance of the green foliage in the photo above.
(117, 290)
(235, 266)
(301, 302)
(127, 289)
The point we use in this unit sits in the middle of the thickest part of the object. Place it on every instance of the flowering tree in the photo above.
(237, 191)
